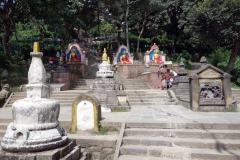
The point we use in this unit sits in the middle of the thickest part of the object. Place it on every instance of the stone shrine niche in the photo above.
(148, 57)
(86, 113)
(210, 89)
(122, 49)
(74, 53)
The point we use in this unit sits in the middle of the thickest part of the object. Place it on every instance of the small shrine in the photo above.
(154, 56)
(123, 56)
(74, 53)
(210, 89)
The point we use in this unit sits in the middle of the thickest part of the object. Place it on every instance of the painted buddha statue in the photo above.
(156, 58)
(124, 59)
(74, 56)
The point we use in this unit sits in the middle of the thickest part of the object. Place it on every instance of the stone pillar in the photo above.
(227, 89)
(194, 92)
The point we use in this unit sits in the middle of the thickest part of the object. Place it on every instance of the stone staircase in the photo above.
(65, 98)
(180, 141)
(236, 94)
(149, 97)
(82, 84)
(135, 84)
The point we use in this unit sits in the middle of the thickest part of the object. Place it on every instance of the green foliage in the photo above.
(106, 130)
(15, 89)
(18, 75)
(219, 57)
(185, 56)
(234, 85)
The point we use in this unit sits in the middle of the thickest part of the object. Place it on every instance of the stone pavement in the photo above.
(152, 113)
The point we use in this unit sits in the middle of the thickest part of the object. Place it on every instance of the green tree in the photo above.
(214, 22)
(11, 11)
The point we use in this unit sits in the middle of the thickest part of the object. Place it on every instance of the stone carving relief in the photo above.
(210, 92)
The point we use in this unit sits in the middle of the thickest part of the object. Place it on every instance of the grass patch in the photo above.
(15, 89)
(120, 110)
(234, 85)
(105, 130)
(230, 110)
(72, 132)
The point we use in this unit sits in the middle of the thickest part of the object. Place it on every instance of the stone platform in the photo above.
(69, 151)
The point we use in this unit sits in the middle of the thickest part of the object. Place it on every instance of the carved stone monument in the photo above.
(86, 113)
(210, 89)
(35, 125)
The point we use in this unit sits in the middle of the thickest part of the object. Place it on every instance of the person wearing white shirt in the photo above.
(175, 75)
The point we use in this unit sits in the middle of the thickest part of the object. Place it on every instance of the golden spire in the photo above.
(104, 56)
(36, 47)
(108, 60)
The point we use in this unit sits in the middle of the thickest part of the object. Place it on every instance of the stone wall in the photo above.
(76, 71)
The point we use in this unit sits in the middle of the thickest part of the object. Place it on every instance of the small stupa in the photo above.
(35, 125)
(105, 69)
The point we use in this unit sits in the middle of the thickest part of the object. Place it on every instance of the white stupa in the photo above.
(35, 125)
(105, 69)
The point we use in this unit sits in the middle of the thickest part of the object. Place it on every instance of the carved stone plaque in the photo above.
(211, 92)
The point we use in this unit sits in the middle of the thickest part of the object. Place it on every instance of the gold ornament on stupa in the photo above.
(36, 47)
(104, 56)
(108, 60)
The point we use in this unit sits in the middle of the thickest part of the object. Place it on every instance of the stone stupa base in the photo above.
(68, 151)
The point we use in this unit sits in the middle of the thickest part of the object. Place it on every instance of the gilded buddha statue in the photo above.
(156, 58)
(73, 55)
(124, 59)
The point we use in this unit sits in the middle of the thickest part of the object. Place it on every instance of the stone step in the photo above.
(134, 89)
(147, 92)
(182, 132)
(81, 84)
(132, 80)
(81, 88)
(146, 100)
(135, 84)
(137, 87)
(2, 133)
(180, 152)
(104, 141)
(3, 126)
(131, 157)
(183, 142)
(147, 96)
(146, 103)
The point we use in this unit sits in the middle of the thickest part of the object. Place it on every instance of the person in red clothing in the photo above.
(51, 63)
(167, 77)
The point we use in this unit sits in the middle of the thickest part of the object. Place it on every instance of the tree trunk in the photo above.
(141, 32)
(126, 28)
(5, 39)
(65, 38)
(233, 56)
